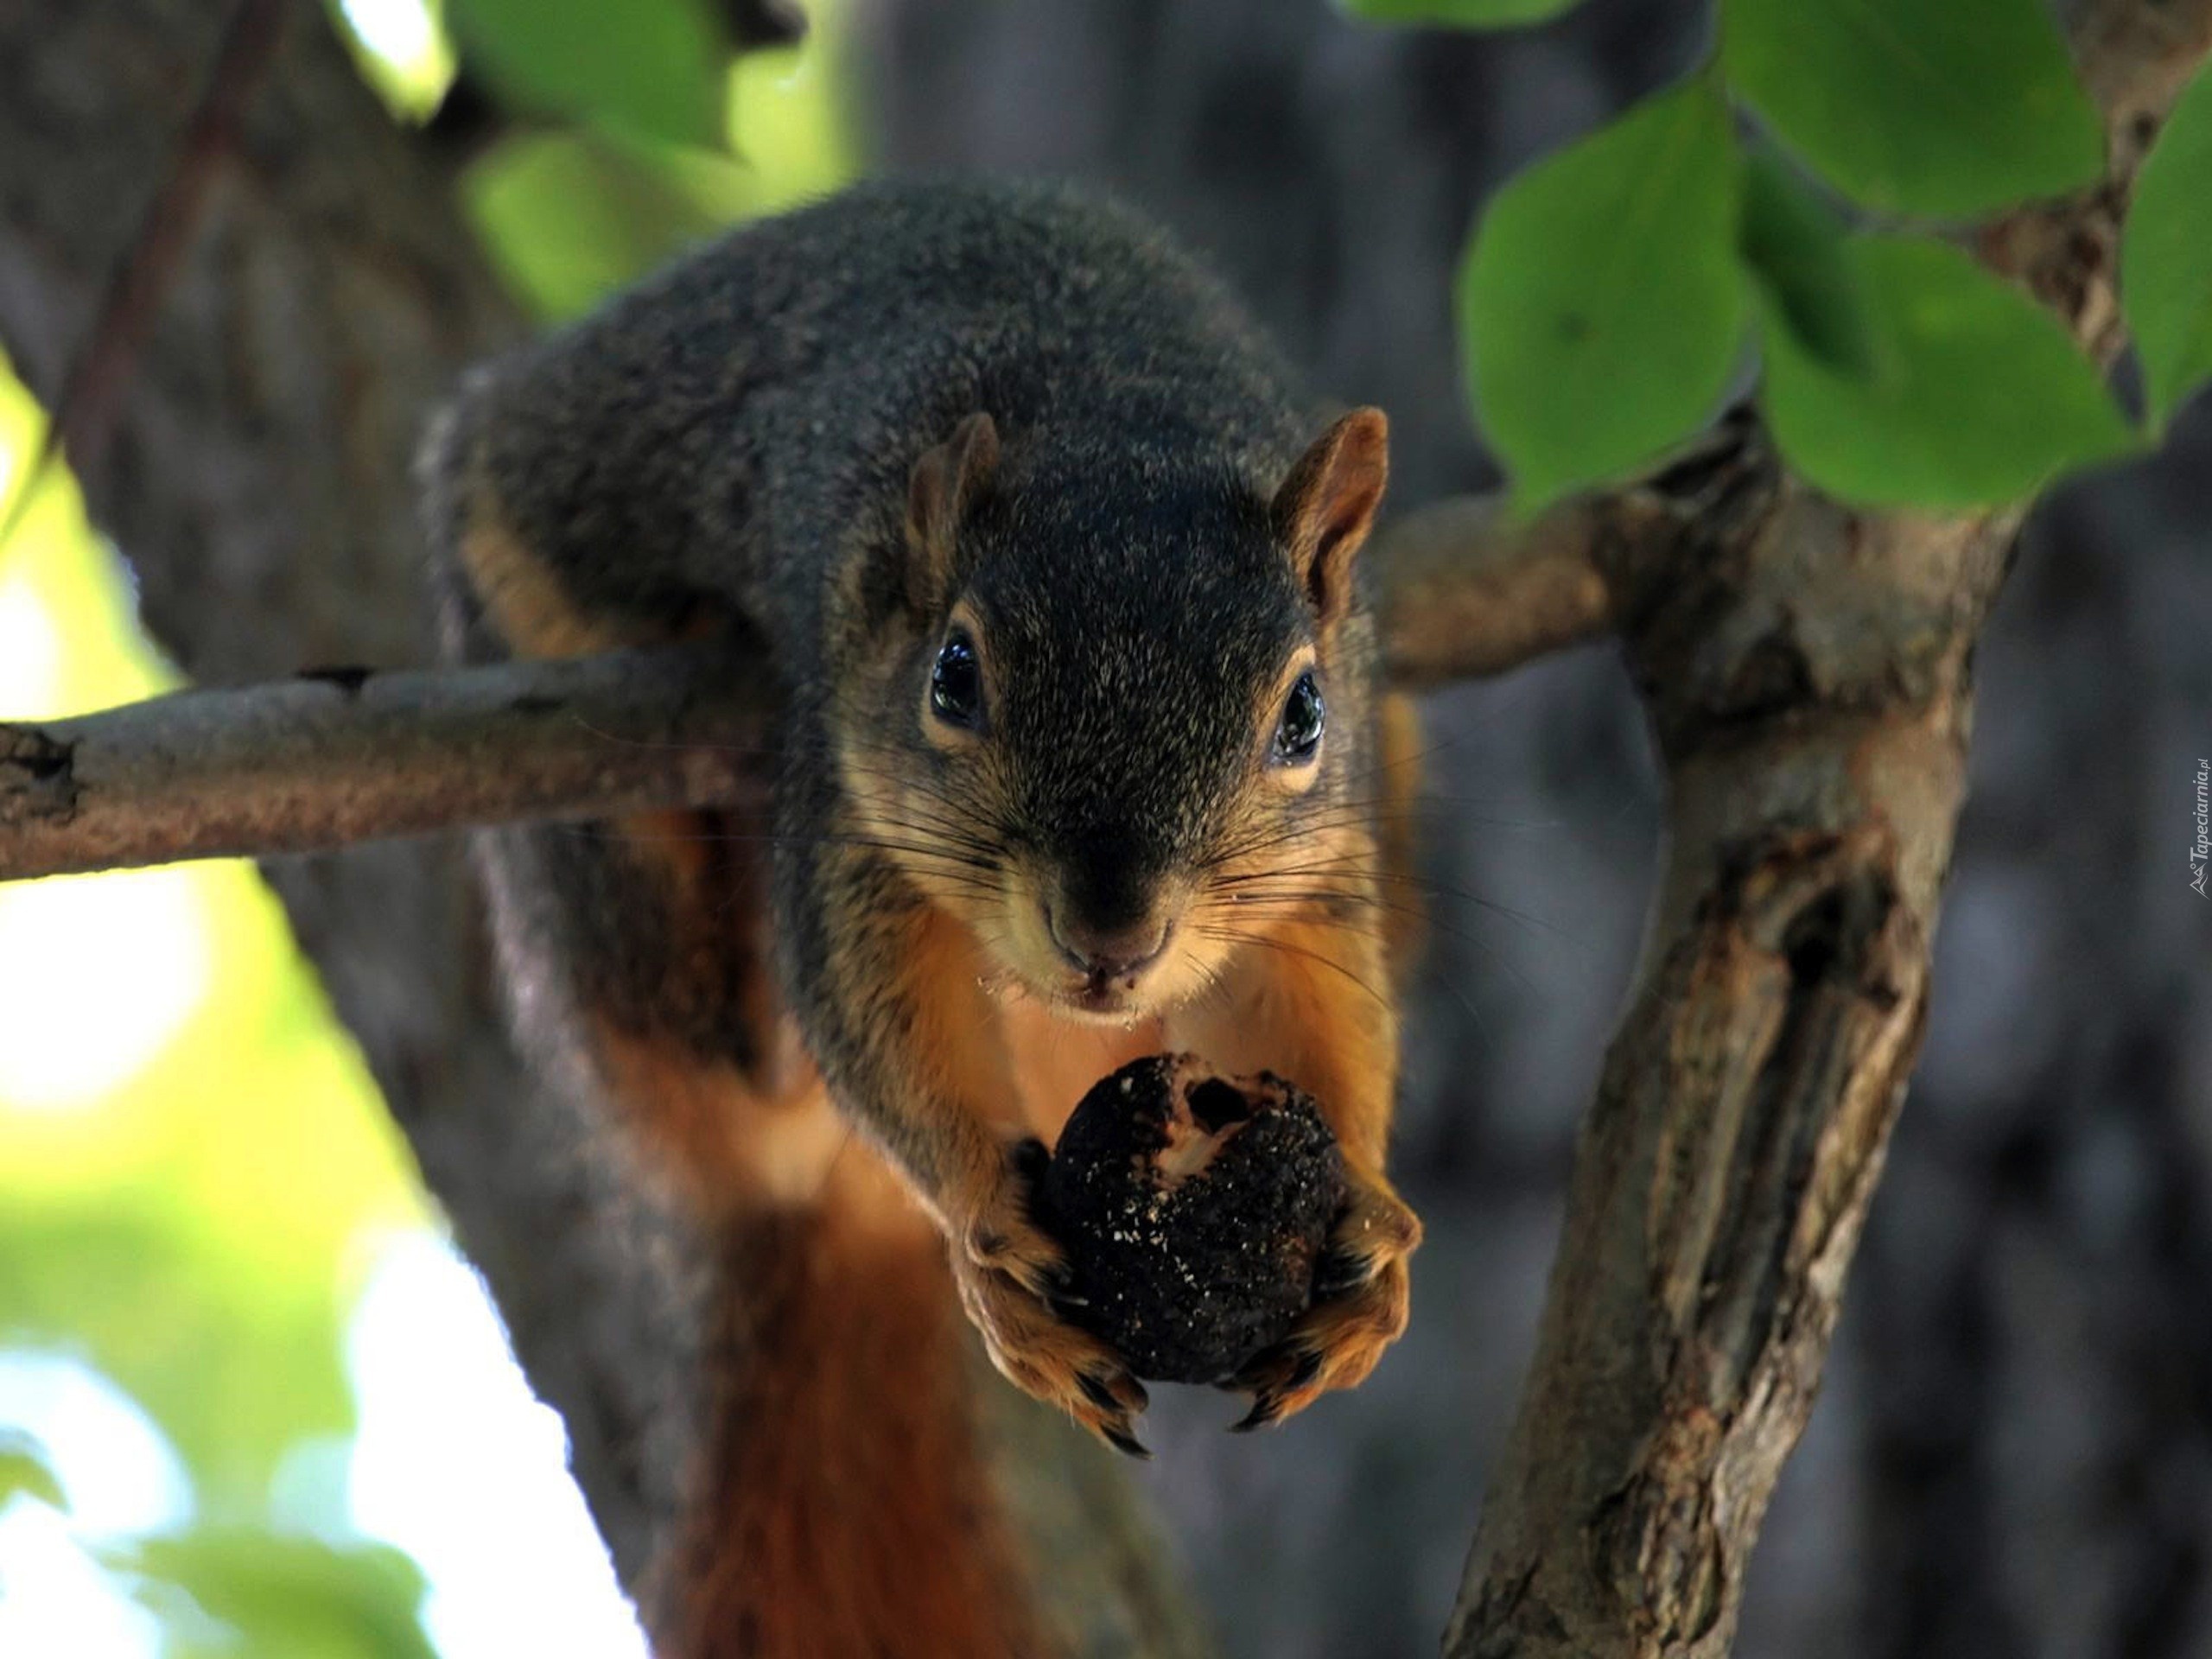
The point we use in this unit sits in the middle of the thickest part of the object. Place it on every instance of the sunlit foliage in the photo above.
(235, 1366)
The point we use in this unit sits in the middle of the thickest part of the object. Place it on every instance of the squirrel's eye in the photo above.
(956, 681)
(1298, 737)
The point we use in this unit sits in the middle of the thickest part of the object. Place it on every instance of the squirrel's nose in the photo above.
(1107, 953)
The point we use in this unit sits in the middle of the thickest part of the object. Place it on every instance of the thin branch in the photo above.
(345, 756)
(1466, 591)
(142, 269)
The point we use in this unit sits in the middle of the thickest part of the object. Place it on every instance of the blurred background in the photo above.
(251, 1401)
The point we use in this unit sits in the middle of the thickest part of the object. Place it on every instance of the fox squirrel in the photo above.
(1079, 757)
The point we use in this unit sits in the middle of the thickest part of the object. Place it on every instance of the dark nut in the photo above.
(1193, 1208)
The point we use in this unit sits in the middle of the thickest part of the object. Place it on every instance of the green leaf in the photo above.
(2165, 262)
(569, 219)
(23, 1470)
(1954, 108)
(1794, 247)
(283, 1595)
(1976, 396)
(183, 1325)
(1459, 14)
(1601, 305)
(651, 68)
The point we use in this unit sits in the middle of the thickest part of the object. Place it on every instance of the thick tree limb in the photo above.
(1808, 673)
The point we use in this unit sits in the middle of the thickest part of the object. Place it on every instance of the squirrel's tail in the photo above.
(847, 1513)
(843, 1509)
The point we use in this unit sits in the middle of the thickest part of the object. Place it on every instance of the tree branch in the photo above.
(1467, 592)
(344, 756)
(330, 759)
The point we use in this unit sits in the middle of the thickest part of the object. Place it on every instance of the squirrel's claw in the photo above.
(1339, 1271)
(1123, 1393)
(1361, 1296)
(1122, 1442)
(1270, 1397)
(1052, 1360)
(1014, 1282)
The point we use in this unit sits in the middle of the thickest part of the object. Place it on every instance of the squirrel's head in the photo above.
(1124, 731)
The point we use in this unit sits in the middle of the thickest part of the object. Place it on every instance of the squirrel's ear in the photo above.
(1325, 507)
(945, 483)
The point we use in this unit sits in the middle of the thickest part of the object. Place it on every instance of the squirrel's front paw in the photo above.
(1361, 1295)
(1013, 1283)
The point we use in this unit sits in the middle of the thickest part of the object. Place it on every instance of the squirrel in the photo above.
(1080, 754)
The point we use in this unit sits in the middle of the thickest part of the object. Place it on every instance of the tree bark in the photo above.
(340, 756)
(1806, 670)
